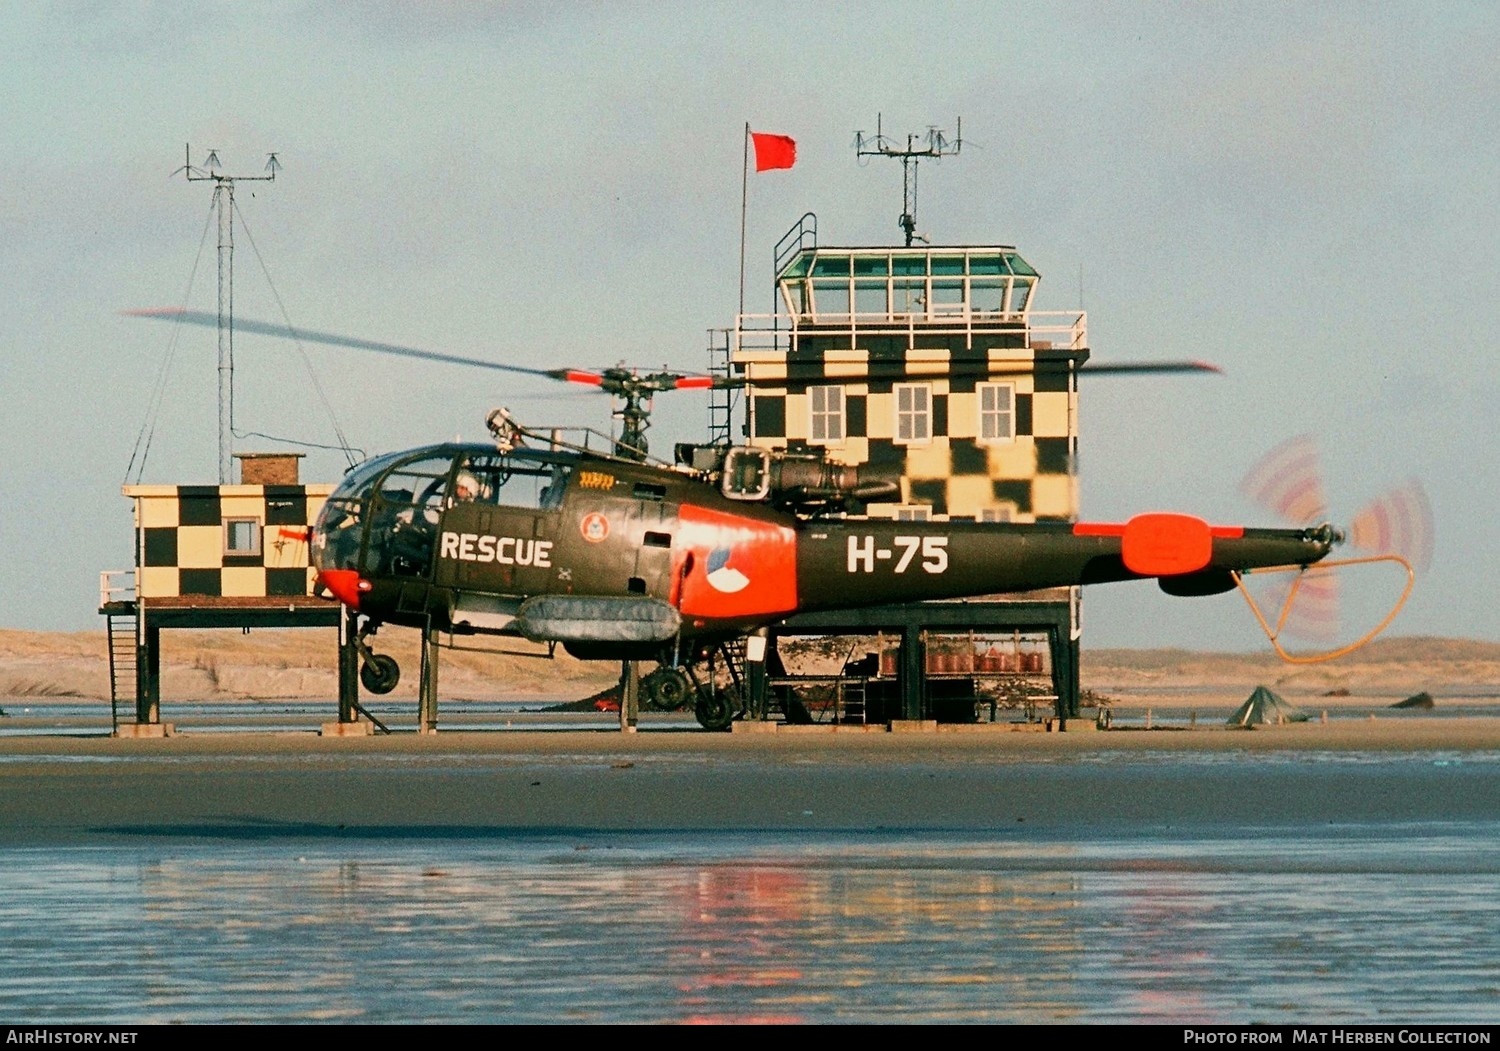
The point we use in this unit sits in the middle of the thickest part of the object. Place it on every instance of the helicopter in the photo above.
(616, 556)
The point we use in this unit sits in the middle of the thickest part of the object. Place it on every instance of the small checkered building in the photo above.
(213, 556)
(226, 541)
(930, 360)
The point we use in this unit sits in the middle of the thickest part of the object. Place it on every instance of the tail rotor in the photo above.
(1399, 521)
(1396, 526)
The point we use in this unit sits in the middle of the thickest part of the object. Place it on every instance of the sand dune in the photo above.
(281, 664)
(225, 665)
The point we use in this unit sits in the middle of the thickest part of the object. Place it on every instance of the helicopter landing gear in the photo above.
(717, 705)
(380, 673)
(715, 710)
(666, 689)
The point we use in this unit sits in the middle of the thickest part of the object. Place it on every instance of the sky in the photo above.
(1303, 194)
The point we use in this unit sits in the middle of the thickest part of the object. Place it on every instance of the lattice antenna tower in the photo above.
(937, 145)
(224, 206)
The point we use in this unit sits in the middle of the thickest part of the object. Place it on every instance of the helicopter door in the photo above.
(653, 560)
(497, 536)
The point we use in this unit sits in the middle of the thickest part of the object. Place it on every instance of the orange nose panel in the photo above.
(344, 584)
(1163, 545)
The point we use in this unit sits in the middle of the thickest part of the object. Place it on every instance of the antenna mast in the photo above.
(938, 145)
(224, 204)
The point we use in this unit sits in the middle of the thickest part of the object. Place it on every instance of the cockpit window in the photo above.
(383, 517)
(356, 481)
(495, 478)
(404, 516)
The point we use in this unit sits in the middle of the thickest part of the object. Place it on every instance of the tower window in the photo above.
(826, 405)
(997, 411)
(913, 413)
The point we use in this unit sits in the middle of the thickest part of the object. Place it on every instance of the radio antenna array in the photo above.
(224, 205)
(937, 145)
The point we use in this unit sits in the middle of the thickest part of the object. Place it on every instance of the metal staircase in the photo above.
(122, 664)
(118, 602)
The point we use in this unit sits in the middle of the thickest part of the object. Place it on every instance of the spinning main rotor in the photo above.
(635, 388)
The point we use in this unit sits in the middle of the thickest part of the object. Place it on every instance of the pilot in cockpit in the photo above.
(471, 487)
(465, 488)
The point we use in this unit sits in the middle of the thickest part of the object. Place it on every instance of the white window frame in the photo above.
(913, 513)
(914, 422)
(993, 514)
(990, 417)
(830, 418)
(230, 521)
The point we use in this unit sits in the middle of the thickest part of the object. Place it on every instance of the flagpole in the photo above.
(744, 204)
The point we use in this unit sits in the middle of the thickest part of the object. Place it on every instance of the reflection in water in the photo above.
(1394, 924)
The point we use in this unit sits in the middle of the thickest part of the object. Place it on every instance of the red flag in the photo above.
(773, 151)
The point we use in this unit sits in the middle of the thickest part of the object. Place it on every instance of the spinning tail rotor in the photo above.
(1395, 527)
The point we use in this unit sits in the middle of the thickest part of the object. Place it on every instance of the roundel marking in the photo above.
(722, 575)
(594, 527)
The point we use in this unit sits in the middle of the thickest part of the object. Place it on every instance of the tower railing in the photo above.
(779, 333)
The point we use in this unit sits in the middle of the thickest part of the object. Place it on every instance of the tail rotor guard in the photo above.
(1273, 634)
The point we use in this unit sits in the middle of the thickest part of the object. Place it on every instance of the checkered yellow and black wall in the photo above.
(954, 474)
(184, 546)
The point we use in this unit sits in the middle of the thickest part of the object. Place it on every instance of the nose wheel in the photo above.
(380, 673)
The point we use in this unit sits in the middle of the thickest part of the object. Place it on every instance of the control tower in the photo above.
(927, 359)
(933, 361)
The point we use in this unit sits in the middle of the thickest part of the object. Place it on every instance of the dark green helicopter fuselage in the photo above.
(616, 557)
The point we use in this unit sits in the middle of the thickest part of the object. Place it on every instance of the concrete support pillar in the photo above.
(148, 671)
(757, 652)
(427, 705)
(630, 696)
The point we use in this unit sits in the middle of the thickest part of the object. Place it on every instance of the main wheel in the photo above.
(665, 689)
(713, 709)
(380, 673)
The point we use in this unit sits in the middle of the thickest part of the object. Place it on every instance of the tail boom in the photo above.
(846, 564)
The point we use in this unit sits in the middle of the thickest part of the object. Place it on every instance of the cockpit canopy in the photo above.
(382, 517)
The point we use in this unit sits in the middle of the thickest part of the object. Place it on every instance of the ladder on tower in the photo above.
(119, 602)
(722, 401)
(123, 669)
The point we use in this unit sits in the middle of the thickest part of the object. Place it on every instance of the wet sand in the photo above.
(247, 786)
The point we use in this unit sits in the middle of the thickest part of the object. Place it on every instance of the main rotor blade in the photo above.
(885, 369)
(616, 380)
(265, 328)
(1151, 366)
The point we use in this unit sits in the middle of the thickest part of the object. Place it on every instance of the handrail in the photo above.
(794, 240)
(1273, 634)
(1049, 329)
(112, 583)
